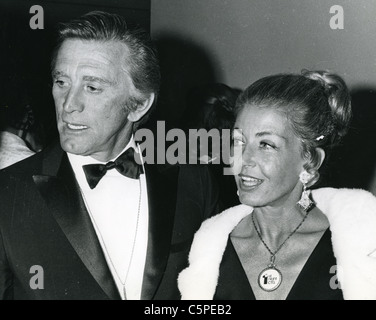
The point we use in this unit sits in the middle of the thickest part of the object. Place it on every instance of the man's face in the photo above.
(91, 87)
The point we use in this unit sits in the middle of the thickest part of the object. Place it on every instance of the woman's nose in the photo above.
(248, 158)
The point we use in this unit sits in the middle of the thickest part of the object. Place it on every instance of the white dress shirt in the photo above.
(120, 218)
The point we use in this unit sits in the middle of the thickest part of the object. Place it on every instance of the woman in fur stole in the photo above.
(287, 240)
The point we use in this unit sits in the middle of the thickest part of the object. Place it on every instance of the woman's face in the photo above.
(267, 157)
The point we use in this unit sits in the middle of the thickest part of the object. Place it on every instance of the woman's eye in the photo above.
(267, 145)
(238, 142)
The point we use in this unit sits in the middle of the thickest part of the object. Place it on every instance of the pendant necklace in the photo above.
(270, 278)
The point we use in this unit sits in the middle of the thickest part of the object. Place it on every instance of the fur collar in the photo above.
(352, 218)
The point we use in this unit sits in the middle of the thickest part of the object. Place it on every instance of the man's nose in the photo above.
(73, 101)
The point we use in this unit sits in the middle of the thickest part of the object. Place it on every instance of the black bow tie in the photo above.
(125, 164)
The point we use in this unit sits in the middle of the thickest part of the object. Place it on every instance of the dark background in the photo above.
(200, 42)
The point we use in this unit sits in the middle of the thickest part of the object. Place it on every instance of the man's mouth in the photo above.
(73, 126)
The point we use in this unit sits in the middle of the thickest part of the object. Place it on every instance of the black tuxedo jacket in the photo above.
(44, 223)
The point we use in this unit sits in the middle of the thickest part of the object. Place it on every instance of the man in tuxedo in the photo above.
(82, 219)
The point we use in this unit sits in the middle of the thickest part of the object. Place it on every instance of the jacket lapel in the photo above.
(162, 193)
(60, 190)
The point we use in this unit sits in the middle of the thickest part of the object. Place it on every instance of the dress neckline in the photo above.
(307, 284)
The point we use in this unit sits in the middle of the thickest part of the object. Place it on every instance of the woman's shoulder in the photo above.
(345, 200)
(352, 218)
(348, 209)
(227, 220)
(340, 192)
(199, 280)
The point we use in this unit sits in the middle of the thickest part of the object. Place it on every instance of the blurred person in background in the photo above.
(211, 106)
(20, 132)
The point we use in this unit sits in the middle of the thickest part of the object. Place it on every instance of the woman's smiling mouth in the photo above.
(249, 182)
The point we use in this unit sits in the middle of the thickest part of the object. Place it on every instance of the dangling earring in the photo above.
(305, 201)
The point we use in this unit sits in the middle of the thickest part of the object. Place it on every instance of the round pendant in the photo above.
(270, 278)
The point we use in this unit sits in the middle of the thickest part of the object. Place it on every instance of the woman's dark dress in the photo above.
(313, 282)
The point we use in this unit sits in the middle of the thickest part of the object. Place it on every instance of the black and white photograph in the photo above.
(189, 154)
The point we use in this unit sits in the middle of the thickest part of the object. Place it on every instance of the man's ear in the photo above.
(142, 109)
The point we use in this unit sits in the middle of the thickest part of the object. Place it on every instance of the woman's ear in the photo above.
(142, 109)
(313, 166)
(320, 157)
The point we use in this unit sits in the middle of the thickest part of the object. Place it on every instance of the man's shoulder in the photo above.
(199, 177)
(185, 170)
(192, 176)
(198, 170)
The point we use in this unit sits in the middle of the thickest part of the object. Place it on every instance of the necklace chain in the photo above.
(135, 234)
(281, 245)
(134, 239)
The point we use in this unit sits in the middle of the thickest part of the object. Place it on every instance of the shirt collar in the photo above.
(79, 161)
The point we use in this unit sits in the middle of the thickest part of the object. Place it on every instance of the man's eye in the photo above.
(60, 83)
(93, 89)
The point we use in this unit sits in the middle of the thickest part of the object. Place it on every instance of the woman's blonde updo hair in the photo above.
(317, 104)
